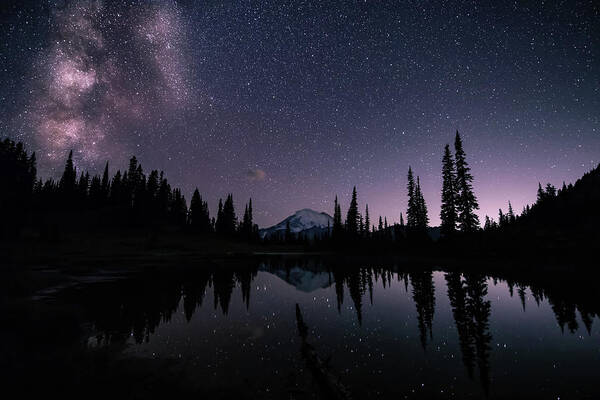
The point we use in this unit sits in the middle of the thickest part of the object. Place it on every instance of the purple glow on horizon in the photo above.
(294, 105)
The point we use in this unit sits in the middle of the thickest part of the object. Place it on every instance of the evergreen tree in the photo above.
(380, 228)
(220, 222)
(501, 218)
(246, 227)
(488, 224)
(550, 191)
(540, 193)
(250, 217)
(466, 203)
(116, 188)
(69, 176)
(367, 220)
(196, 211)
(83, 186)
(152, 186)
(352, 216)
(105, 184)
(96, 193)
(337, 219)
(448, 213)
(510, 215)
(31, 170)
(178, 209)
(17, 182)
(164, 196)
(229, 218)
(412, 211)
(422, 217)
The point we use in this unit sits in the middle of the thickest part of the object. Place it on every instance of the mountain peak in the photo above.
(301, 220)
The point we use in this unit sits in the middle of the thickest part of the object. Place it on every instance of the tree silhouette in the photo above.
(448, 213)
(510, 215)
(352, 218)
(17, 181)
(412, 213)
(105, 184)
(337, 220)
(422, 217)
(466, 203)
(424, 298)
(68, 179)
(471, 316)
(229, 218)
(367, 221)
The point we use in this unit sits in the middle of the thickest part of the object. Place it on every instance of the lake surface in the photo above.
(378, 332)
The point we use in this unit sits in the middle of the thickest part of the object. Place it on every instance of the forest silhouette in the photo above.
(562, 221)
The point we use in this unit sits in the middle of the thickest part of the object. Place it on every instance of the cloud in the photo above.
(256, 174)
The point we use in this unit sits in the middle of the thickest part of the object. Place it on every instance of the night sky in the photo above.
(293, 102)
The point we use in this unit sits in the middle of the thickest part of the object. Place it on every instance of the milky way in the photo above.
(106, 74)
(291, 103)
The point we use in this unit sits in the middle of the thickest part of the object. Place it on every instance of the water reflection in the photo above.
(133, 310)
(471, 316)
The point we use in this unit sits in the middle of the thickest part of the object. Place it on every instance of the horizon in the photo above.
(291, 106)
(344, 200)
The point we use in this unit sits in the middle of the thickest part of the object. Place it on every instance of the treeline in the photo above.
(128, 199)
(562, 221)
(133, 199)
(457, 214)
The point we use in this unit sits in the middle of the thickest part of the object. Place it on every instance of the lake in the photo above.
(308, 328)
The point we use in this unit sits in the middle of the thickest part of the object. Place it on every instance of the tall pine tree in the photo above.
(337, 219)
(352, 218)
(412, 211)
(229, 218)
(466, 203)
(422, 217)
(448, 214)
(69, 177)
(367, 221)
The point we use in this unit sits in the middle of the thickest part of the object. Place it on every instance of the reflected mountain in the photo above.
(303, 279)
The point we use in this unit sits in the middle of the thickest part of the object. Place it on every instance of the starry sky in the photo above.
(293, 102)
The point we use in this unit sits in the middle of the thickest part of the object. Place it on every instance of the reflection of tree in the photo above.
(223, 284)
(358, 282)
(457, 295)
(587, 319)
(424, 298)
(521, 290)
(565, 313)
(471, 315)
(566, 295)
(355, 288)
(194, 289)
(480, 310)
(338, 276)
(245, 277)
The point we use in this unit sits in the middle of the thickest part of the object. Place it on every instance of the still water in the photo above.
(376, 332)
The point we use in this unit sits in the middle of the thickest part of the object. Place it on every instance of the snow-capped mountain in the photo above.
(304, 280)
(308, 221)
